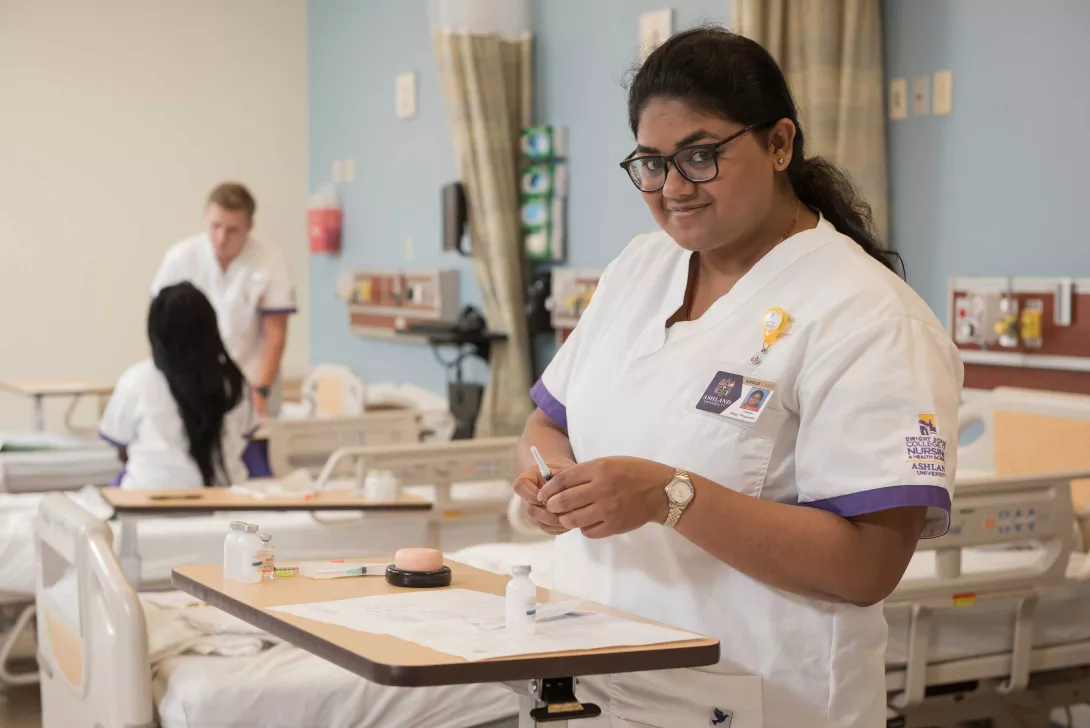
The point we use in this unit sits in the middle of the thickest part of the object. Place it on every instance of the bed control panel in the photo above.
(1016, 521)
(997, 511)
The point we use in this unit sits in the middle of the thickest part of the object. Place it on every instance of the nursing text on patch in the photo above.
(927, 454)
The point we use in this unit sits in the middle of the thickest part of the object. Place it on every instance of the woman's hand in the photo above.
(608, 496)
(528, 485)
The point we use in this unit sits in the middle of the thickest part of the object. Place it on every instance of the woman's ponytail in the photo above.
(825, 188)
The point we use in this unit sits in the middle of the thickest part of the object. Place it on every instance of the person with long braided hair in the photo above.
(182, 418)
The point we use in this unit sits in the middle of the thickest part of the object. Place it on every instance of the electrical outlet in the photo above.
(350, 170)
(655, 27)
(898, 99)
(921, 96)
(408, 250)
(405, 95)
(942, 87)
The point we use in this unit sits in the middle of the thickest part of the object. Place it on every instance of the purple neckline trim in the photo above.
(275, 311)
(549, 404)
(883, 499)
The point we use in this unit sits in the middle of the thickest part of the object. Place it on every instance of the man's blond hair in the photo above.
(233, 196)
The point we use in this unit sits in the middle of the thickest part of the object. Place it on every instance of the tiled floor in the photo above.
(20, 707)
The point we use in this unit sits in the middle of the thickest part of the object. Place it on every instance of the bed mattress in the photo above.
(40, 471)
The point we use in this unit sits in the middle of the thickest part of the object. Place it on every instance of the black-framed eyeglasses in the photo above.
(698, 163)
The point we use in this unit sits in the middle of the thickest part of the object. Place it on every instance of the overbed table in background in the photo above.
(131, 505)
(38, 391)
(540, 680)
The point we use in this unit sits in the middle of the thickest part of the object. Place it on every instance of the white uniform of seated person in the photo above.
(247, 282)
(813, 381)
(143, 418)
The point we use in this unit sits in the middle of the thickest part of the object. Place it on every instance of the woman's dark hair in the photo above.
(720, 72)
(204, 381)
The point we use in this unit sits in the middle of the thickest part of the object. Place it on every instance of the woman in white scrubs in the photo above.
(737, 423)
(183, 418)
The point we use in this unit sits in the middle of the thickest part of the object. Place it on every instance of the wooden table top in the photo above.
(388, 660)
(211, 500)
(59, 387)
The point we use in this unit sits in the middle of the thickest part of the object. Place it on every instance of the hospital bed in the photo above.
(467, 481)
(96, 670)
(1011, 431)
(977, 631)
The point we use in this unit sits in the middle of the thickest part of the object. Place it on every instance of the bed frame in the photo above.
(95, 672)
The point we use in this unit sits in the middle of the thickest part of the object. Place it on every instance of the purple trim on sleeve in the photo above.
(276, 311)
(549, 404)
(103, 436)
(116, 482)
(894, 496)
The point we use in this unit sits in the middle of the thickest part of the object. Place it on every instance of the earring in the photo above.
(779, 162)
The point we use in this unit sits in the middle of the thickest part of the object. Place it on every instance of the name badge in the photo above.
(736, 397)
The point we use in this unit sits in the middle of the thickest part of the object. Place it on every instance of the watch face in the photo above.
(680, 492)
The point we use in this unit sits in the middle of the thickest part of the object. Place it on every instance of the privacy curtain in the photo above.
(831, 52)
(483, 51)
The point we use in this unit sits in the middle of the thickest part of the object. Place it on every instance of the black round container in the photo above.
(418, 579)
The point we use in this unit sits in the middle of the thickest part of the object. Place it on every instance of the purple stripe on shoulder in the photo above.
(103, 436)
(278, 311)
(116, 482)
(894, 496)
(549, 404)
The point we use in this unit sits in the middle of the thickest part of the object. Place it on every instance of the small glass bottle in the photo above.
(230, 550)
(249, 555)
(521, 605)
(268, 565)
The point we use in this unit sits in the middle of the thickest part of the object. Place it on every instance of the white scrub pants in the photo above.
(672, 699)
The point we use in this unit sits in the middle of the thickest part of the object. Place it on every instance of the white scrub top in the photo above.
(858, 414)
(256, 283)
(143, 417)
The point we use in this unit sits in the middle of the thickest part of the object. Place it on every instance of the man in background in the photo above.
(248, 284)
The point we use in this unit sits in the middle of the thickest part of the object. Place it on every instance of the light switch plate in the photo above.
(921, 96)
(898, 99)
(350, 170)
(338, 171)
(942, 87)
(655, 27)
(408, 250)
(405, 95)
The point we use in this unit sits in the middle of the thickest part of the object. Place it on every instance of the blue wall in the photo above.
(996, 188)
(356, 48)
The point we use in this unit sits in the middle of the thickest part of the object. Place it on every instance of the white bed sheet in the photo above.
(286, 687)
(982, 629)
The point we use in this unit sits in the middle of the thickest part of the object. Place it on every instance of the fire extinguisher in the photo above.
(324, 222)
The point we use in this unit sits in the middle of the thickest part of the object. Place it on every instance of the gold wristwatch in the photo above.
(679, 493)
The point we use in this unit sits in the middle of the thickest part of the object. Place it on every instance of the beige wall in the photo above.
(116, 118)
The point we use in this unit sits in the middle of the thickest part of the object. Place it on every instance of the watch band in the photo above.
(263, 391)
(674, 515)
